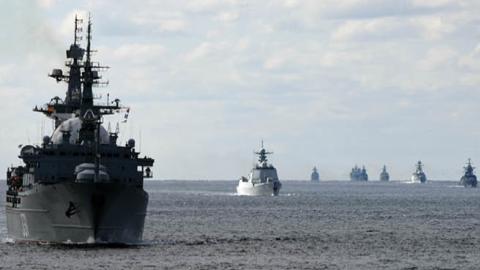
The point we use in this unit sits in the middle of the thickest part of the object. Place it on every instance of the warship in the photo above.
(419, 176)
(315, 177)
(384, 176)
(469, 179)
(78, 185)
(358, 174)
(263, 178)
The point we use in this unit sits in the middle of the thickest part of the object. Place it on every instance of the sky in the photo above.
(324, 83)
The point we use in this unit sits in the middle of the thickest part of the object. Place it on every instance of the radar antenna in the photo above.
(77, 38)
(262, 155)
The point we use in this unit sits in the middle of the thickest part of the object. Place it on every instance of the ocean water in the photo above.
(326, 225)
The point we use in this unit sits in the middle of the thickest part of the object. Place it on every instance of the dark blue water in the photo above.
(329, 225)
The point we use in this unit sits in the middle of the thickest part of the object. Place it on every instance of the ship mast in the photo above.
(469, 168)
(419, 166)
(89, 76)
(76, 53)
(262, 155)
(81, 77)
(91, 117)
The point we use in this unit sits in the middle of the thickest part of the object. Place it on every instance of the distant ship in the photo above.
(79, 185)
(384, 176)
(419, 176)
(263, 178)
(469, 179)
(358, 174)
(315, 177)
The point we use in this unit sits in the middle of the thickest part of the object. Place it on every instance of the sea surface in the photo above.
(326, 225)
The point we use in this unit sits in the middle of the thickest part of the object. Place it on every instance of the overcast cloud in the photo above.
(325, 83)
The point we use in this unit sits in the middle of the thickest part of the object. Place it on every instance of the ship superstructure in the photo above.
(384, 176)
(419, 176)
(358, 174)
(79, 185)
(263, 178)
(315, 176)
(469, 179)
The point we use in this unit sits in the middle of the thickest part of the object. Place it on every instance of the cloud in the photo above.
(138, 52)
(205, 49)
(433, 27)
(281, 59)
(161, 25)
(302, 74)
(46, 3)
(211, 5)
(227, 16)
(439, 58)
(433, 3)
(367, 29)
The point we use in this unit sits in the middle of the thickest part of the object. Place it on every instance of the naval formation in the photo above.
(81, 186)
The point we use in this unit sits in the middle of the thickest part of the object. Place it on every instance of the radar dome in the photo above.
(73, 125)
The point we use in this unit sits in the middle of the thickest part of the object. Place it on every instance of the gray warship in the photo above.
(469, 179)
(358, 174)
(315, 177)
(78, 186)
(384, 176)
(419, 176)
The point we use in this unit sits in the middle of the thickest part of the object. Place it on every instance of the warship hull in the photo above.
(78, 213)
(261, 189)
(418, 179)
(468, 181)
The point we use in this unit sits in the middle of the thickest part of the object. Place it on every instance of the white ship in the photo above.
(419, 176)
(262, 180)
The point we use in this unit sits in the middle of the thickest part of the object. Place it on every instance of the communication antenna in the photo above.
(78, 30)
(89, 38)
(140, 140)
